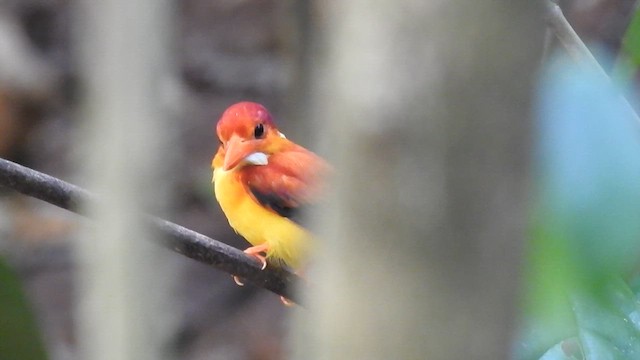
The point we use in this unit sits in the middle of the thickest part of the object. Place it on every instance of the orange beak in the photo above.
(236, 150)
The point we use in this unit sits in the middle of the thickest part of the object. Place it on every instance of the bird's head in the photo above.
(248, 135)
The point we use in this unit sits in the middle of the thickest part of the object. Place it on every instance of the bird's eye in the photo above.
(258, 132)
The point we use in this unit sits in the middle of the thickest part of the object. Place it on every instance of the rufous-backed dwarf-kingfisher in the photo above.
(261, 180)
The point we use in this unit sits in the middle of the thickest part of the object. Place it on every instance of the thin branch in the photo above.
(572, 43)
(576, 48)
(172, 236)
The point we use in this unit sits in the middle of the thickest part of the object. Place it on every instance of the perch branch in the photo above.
(172, 236)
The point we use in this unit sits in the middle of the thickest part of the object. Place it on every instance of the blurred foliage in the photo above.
(19, 336)
(586, 223)
(628, 61)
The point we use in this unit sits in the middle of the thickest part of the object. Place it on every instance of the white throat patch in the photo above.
(257, 158)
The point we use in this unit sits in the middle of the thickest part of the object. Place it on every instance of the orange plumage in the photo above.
(262, 180)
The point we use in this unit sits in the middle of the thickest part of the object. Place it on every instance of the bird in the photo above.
(263, 182)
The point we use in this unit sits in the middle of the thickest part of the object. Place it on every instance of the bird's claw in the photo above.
(237, 280)
(261, 259)
(286, 302)
(255, 251)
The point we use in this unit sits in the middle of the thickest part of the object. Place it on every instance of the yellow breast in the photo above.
(287, 240)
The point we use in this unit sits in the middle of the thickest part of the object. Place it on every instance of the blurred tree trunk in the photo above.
(124, 282)
(425, 107)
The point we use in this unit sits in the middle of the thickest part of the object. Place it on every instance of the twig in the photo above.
(174, 237)
(572, 43)
(576, 48)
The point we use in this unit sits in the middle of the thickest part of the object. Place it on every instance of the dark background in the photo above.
(225, 51)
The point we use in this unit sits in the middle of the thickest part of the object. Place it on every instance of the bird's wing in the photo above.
(290, 181)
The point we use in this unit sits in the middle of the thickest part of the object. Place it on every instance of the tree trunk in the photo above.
(124, 280)
(424, 108)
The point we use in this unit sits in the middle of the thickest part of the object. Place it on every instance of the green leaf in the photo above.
(605, 328)
(628, 60)
(568, 349)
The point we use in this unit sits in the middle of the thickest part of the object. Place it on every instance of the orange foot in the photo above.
(256, 252)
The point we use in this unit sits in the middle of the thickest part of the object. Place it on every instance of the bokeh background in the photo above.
(225, 51)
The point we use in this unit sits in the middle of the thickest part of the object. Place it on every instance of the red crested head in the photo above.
(244, 119)
(248, 135)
